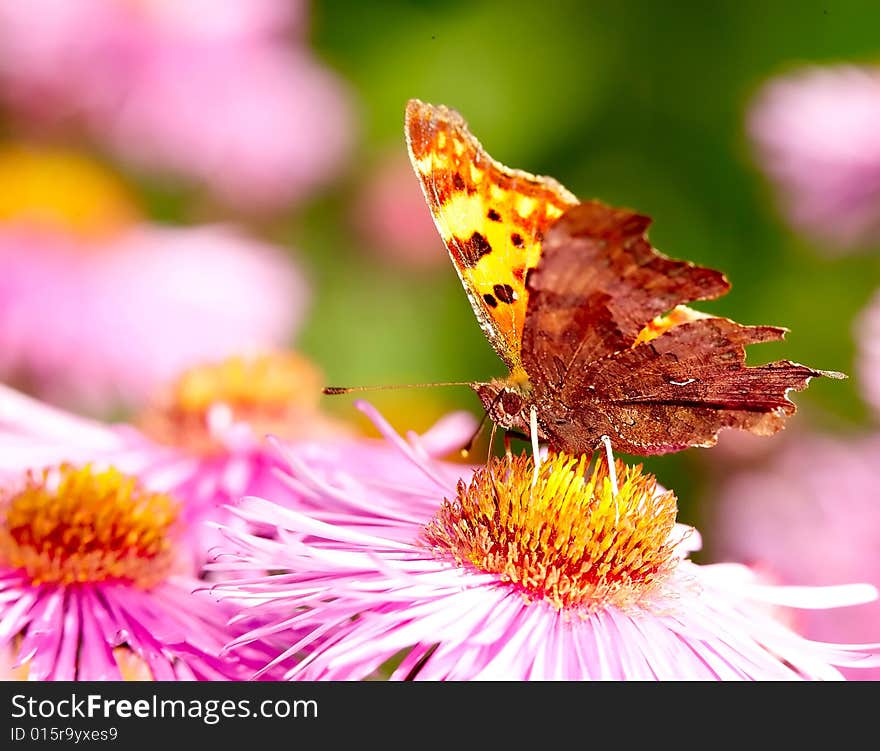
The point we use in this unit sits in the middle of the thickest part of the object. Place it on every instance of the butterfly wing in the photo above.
(491, 218)
(598, 286)
(606, 358)
(681, 389)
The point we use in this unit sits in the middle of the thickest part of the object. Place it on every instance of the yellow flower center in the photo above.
(569, 539)
(270, 382)
(72, 525)
(274, 392)
(62, 190)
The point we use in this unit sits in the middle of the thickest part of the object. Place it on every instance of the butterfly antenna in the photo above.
(334, 390)
(612, 475)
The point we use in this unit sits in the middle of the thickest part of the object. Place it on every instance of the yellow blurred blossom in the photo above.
(62, 190)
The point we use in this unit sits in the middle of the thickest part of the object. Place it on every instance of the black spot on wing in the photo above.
(516, 239)
(490, 301)
(493, 215)
(504, 292)
(473, 249)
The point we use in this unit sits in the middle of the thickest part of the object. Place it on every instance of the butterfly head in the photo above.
(507, 402)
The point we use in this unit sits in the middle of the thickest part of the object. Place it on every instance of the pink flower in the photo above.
(815, 135)
(565, 576)
(34, 436)
(261, 127)
(99, 323)
(219, 96)
(867, 335)
(91, 587)
(810, 517)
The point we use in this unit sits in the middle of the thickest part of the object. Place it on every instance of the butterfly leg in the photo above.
(612, 473)
(536, 451)
(491, 446)
(507, 438)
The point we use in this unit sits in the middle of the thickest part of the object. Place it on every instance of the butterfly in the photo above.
(589, 318)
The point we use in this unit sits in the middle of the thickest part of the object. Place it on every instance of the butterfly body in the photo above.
(590, 318)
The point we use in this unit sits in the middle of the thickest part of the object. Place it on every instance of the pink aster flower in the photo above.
(489, 573)
(815, 135)
(867, 336)
(35, 435)
(227, 96)
(101, 322)
(810, 517)
(91, 587)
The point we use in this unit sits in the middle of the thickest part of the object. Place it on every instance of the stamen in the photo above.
(569, 539)
(70, 525)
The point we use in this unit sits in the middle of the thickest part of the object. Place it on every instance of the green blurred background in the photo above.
(638, 103)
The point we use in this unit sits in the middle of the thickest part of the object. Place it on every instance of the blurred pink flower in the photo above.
(867, 336)
(262, 127)
(394, 220)
(810, 517)
(815, 134)
(101, 322)
(222, 95)
(558, 578)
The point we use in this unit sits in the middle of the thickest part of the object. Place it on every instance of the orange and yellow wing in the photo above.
(491, 218)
